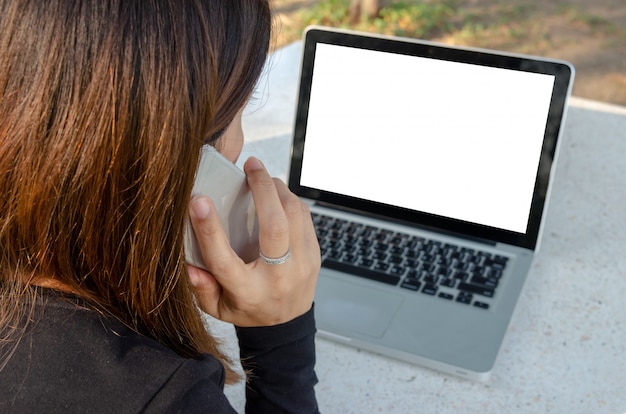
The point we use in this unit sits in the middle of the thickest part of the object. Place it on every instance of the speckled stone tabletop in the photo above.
(565, 349)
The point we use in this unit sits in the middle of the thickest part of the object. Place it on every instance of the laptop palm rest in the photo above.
(348, 307)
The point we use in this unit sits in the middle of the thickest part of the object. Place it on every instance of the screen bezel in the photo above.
(563, 76)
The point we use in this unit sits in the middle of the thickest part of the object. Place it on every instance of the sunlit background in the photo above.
(589, 33)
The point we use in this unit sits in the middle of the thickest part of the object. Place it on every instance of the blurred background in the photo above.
(589, 33)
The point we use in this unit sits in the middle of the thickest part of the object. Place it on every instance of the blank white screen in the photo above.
(452, 139)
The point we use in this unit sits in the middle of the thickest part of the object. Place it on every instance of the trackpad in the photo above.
(343, 307)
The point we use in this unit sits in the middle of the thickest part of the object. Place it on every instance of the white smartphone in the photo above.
(226, 185)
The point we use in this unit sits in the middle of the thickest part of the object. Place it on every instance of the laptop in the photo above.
(427, 168)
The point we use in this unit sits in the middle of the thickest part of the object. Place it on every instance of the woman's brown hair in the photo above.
(104, 106)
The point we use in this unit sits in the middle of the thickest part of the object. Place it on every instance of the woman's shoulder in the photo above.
(75, 357)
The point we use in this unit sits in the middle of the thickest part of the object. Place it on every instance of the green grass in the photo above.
(502, 25)
(400, 18)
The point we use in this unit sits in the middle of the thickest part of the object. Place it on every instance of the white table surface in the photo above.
(565, 349)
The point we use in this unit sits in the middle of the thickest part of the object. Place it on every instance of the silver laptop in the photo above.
(427, 168)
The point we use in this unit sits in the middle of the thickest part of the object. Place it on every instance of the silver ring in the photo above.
(277, 260)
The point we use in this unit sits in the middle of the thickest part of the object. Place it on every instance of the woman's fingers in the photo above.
(214, 244)
(218, 290)
(301, 231)
(206, 289)
(274, 229)
(257, 293)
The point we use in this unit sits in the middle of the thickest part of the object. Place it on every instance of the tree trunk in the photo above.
(363, 8)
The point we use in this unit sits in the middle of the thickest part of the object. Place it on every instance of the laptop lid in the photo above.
(454, 139)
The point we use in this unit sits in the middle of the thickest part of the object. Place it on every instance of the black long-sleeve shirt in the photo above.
(74, 360)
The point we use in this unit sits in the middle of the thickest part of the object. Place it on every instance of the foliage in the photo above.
(496, 23)
(400, 18)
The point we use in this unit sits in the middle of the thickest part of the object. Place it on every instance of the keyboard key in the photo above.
(417, 274)
(354, 228)
(378, 255)
(381, 247)
(395, 259)
(446, 296)
(448, 282)
(335, 254)
(430, 278)
(481, 305)
(380, 237)
(478, 289)
(411, 263)
(490, 282)
(397, 250)
(461, 276)
(430, 289)
(381, 266)
(464, 297)
(368, 232)
(412, 284)
(362, 272)
(350, 258)
(363, 251)
(398, 240)
(501, 261)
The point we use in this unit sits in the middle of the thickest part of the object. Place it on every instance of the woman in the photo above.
(105, 105)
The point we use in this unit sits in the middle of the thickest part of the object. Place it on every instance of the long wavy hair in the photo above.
(104, 106)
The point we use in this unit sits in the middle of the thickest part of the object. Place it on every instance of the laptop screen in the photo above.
(447, 138)
(444, 137)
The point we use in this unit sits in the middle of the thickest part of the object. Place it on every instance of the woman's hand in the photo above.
(257, 293)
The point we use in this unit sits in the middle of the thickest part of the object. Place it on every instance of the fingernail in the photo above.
(200, 207)
(254, 164)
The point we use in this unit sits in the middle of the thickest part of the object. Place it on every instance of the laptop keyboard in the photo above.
(431, 267)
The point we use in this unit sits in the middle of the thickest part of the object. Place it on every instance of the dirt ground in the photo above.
(589, 33)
